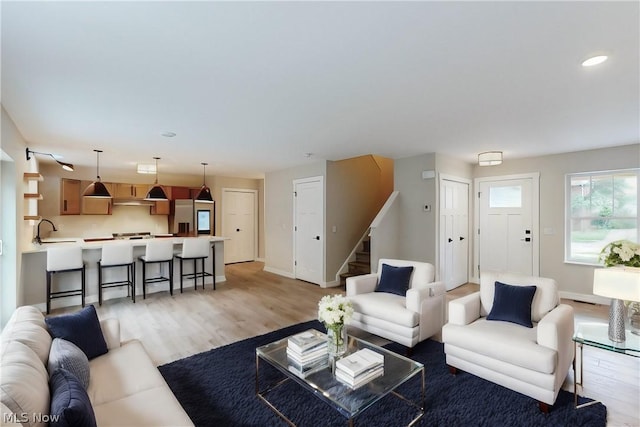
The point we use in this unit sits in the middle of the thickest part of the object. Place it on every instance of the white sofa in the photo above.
(405, 320)
(532, 361)
(125, 387)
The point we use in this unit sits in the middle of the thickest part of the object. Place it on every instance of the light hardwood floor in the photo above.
(253, 302)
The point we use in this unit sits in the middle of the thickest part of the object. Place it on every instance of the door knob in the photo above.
(317, 238)
(237, 229)
(450, 240)
(461, 238)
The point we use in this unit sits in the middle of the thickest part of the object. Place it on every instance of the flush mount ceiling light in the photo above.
(168, 134)
(156, 192)
(146, 169)
(97, 189)
(204, 195)
(594, 60)
(490, 158)
(65, 166)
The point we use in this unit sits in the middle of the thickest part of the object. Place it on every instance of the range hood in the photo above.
(130, 202)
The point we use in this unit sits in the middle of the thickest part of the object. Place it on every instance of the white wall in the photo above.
(279, 215)
(13, 146)
(417, 235)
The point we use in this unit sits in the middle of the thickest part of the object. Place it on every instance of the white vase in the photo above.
(337, 340)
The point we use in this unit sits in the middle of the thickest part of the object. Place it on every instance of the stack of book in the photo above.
(307, 352)
(360, 367)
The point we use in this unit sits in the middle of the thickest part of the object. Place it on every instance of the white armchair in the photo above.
(532, 361)
(406, 320)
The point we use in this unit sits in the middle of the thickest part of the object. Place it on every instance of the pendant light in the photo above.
(156, 192)
(97, 189)
(204, 195)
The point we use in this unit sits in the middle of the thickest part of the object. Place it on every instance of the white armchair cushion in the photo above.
(504, 341)
(385, 306)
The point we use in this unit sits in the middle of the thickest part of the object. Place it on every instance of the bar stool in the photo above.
(194, 248)
(64, 259)
(158, 251)
(117, 255)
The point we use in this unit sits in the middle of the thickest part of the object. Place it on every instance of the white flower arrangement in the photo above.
(621, 252)
(334, 310)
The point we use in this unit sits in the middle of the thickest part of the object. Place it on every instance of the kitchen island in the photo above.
(34, 265)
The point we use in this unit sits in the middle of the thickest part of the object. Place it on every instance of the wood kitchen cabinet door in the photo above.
(70, 196)
(96, 206)
(130, 191)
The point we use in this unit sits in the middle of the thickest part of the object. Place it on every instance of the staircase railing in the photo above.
(383, 232)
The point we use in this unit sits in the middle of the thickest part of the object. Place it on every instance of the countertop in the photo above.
(98, 244)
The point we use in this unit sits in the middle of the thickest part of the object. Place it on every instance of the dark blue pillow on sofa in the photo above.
(81, 328)
(394, 280)
(70, 404)
(512, 304)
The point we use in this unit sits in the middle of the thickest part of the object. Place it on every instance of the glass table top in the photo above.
(597, 335)
(346, 400)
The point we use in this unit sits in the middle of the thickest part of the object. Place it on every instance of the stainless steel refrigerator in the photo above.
(192, 218)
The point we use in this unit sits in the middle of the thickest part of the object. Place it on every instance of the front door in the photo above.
(454, 232)
(309, 229)
(239, 225)
(508, 225)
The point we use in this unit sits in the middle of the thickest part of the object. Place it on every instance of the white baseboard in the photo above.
(332, 284)
(279, 272)
(589, 298)
(260, 259)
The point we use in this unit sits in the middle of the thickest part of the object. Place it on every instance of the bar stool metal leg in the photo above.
(83, 284)
(49, 273)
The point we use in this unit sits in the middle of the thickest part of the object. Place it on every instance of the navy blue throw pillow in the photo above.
(512, 304)
(394, 280)
(70, 404)
(81, 328)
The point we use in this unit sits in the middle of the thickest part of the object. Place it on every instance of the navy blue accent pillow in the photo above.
(394, 280)
(81, 328)
(512, 304)
(70, 405)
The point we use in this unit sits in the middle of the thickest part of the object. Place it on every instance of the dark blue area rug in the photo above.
(217, 388)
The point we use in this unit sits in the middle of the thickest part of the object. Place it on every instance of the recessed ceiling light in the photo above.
(168, 134)
(594, 60)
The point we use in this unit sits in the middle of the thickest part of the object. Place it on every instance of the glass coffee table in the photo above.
(597, 335)
(349, 402)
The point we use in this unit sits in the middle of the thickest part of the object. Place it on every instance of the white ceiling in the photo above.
(252, 87)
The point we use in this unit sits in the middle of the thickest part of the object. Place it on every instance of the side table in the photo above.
(597, 335)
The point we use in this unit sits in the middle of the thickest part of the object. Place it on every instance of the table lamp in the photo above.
(619, 284)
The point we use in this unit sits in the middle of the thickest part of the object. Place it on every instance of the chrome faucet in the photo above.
(37, 239)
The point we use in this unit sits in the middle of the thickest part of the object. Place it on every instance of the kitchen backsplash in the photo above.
(124, 219)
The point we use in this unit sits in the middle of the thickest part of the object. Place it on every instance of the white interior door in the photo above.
(454, 233)
(239, 225)
(309, 229)
(508, 225)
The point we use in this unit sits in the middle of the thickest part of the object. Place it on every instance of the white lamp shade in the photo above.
(617, 283)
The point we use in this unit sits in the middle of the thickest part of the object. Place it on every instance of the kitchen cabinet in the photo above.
(70, 196)
(180, 193)
(130, 191)
(96, 206)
